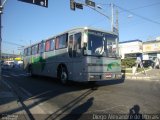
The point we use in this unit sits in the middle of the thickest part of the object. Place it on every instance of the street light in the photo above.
(98, 6)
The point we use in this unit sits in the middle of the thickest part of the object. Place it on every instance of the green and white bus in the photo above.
(81, 54)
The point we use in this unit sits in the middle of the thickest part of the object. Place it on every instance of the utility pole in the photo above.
(1, 12)
(117, 31)
(0, 38)
(112, 17)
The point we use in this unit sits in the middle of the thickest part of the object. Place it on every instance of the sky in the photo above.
(25, 24)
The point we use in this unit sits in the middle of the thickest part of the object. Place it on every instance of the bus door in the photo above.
(75, 53)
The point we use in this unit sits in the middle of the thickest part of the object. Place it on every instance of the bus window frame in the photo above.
(70, 45)
(47, 42)
(52, 41)
(57, 41)
(39, 47)
(29, 51)
(36, 49)
(74, 47)
(25, 51)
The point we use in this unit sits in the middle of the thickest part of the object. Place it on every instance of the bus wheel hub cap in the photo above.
(63, 76)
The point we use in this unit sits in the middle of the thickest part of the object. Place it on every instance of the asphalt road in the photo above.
(47, 98)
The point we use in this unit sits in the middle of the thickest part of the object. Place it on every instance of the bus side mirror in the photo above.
(84, 48)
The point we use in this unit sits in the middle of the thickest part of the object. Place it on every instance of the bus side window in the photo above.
(32, 50)
(29, 51)
(61, 41)
(25, 52)
(36, 49)
(77, 45)
(52, 44)
(70, 45)
(39, 48)
(42, 45)
(47, 46)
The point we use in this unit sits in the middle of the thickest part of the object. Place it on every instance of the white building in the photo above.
(130, 49)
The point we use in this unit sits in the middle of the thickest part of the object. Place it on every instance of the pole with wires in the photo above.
(0, 39)
(1, 12)
(112, 17)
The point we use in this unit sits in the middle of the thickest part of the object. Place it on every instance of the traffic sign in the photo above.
(72, 4)
(43, 3)
(90, 3)
(79, 5)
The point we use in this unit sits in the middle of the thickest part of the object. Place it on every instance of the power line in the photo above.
(11, 43)
(142, 17)
(149, 5)
(145, 6)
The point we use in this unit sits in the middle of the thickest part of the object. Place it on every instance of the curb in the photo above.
(145, 78)
(137, 73)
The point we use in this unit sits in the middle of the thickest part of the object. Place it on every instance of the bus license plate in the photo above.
(108, 75)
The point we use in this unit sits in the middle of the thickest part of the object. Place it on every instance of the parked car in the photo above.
(10, 64)
(5, 66)
(148, 63)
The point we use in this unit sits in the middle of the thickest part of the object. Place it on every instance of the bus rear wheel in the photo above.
(63, 75)
(30, 71)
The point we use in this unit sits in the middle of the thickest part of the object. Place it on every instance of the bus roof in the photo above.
(73, 29)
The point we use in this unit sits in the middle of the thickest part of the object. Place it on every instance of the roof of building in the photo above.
(152, 41)
(137, 40)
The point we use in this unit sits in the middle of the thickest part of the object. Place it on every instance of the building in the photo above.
(6, 56)
(151, 50)
(130, 49)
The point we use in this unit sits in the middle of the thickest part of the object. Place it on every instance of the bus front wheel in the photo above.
(63, 75)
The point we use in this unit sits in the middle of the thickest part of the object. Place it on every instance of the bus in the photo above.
(81, 54)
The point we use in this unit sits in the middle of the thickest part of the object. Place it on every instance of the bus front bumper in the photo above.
(104, 76)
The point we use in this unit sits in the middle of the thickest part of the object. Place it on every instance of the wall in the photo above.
(130, 48)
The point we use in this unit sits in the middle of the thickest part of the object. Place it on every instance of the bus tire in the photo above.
(63, 74)
(30, 71)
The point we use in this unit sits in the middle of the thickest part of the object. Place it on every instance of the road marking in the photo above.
(25, 91)
(7, 84)
(6, 76)
(26, 74)
(111, 108)
(16, 75)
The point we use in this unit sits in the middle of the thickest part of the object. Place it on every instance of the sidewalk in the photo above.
(10, 107)
(151, 74)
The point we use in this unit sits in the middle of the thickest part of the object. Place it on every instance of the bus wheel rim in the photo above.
(64, 77)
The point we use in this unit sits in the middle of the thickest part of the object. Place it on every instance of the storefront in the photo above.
(151, 50)
(130, 49)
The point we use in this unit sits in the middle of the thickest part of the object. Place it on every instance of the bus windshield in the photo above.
(101, 44)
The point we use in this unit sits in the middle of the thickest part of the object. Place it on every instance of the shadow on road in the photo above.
(45, 88)
(77, 112)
